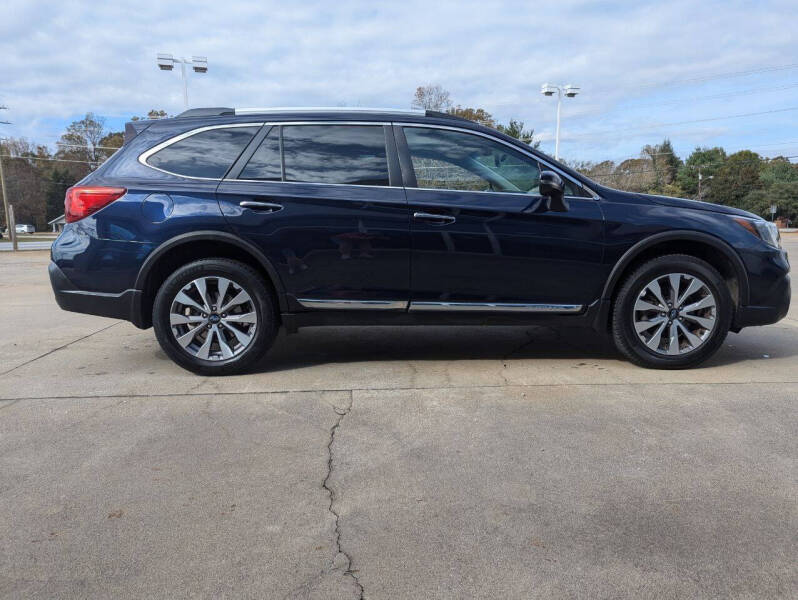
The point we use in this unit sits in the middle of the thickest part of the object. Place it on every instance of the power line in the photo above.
(683, 101)
(729, 74)
(655, 125)
(89, 162)
(88, 146)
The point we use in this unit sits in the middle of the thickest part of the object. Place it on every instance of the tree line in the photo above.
(37, 178)
(742, 179)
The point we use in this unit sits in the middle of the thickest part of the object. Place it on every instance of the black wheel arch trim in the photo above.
(678, 235)
(603, 314)
(212, 236)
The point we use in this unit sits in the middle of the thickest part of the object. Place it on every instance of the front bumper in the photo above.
(775, 309)
(103, 304)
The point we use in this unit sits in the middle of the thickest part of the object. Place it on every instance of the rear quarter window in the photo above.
(205, 154)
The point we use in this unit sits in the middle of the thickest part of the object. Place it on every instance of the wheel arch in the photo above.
(193, 246)
(701, 245)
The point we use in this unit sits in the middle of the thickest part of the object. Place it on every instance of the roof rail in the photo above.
(229, 112)
(281, 109)
(444, 115)
(207, 112)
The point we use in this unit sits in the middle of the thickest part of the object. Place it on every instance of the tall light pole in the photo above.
(548, 89)
(700, 179)
(166, 62)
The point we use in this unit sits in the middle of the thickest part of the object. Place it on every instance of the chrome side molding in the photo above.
(353, 304)
(417, 306)
(495, 307)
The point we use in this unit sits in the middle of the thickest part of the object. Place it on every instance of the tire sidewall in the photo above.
(623, 321)
(242, 275)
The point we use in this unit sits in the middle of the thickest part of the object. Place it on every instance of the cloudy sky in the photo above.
(686, 70)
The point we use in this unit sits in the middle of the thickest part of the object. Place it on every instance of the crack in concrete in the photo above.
(49, 352)
(397, 388)
(347, 567)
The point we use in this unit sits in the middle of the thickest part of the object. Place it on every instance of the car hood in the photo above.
(697, 205)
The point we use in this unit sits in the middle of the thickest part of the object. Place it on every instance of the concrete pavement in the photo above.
(390, 463)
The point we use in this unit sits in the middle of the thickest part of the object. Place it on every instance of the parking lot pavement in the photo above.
(416, 462)
(22, 245)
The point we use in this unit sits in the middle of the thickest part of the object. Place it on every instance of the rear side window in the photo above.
(205, 154)
(265, 163)
(349, 154)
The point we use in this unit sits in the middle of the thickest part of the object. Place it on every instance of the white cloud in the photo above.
(63, 59)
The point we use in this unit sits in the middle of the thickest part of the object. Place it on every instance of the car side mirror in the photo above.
(552, 189)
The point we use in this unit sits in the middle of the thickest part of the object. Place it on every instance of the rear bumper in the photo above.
(103, 304)
(775, 309)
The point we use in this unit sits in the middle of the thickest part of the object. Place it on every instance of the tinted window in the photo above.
(265, 163)
(353, 154)
(460, 161)
(205, 154)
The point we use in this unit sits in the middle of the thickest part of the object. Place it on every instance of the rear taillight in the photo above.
(82, 201)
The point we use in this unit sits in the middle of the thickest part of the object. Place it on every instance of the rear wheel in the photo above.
(214, 317)
(673, 312)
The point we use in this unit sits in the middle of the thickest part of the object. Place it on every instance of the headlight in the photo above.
(764, 230)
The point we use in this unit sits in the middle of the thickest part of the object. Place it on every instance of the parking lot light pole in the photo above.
(199, 64)
(570, 91)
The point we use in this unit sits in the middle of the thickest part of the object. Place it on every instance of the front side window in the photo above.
(205, 154)
(349, 154)
(452, 160)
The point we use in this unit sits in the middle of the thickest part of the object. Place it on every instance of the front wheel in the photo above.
(673, 312)
(214, 317)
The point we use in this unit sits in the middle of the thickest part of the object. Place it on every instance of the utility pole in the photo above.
(12, 232)
(11, 229)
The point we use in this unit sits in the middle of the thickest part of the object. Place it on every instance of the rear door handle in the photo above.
(260, 206)
(433, 218)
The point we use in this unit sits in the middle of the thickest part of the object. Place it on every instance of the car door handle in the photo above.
(260, 206)
(433, 218)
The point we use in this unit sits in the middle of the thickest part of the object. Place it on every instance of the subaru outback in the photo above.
(219, 226)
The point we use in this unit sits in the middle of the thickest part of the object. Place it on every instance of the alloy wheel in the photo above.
(213, 318)
(674, 314)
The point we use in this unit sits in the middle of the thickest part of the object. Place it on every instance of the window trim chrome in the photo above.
(146, 154)
(187, 134)
(509, 145)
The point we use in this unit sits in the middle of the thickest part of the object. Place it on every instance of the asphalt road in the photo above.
(390, 463)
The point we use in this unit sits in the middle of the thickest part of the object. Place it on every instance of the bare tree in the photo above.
(432, 97)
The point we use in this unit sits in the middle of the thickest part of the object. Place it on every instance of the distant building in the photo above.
(58, 223)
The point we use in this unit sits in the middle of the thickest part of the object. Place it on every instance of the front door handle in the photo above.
(433, 218)
(260, 206)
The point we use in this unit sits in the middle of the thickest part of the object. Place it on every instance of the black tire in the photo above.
(243, 276)
(623, 329)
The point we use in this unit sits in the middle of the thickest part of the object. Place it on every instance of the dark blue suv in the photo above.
(220, 225)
